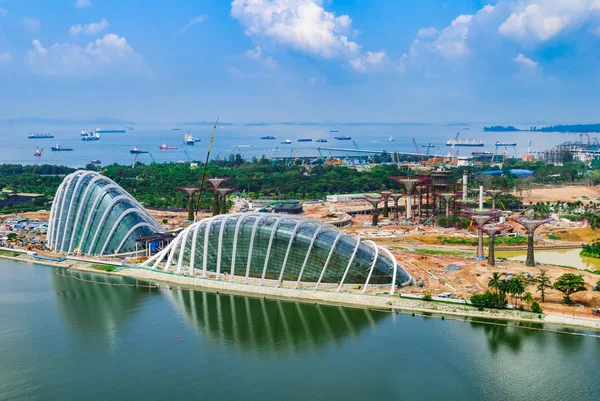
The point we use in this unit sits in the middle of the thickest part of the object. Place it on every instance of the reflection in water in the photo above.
(96, 306)
(261, 326)
(561, 257)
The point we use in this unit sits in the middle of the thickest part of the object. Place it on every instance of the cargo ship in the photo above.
(333, 130)
(164, 146)
(109, 131)
(90, 136)
(268, 137)
(305, 140)
(136, 151)
(95, 161)
(343, 138)
(40, 136)
(498, 143)
(58, 148)
(321, 140)
(286, 142)
(466, 142)
(188, 139)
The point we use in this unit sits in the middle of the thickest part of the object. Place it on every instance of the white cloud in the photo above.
(196, 20)
(5, 58)
(31, 24)
(257, 55)
(370, 61)
(525, 62)
(109, 54)
(93, 28)
(3, 12)
(543, 20)
(426, 33)
(301, 24)
(83, 3)
(312, 80)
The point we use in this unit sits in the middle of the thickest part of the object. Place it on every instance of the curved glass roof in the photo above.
(93, 215)
(277, 248)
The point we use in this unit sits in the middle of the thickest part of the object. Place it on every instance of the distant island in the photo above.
(575, 128)
(501, 128)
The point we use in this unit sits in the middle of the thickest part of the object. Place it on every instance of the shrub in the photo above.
(489, 300)
(165, 221)
(426, 296)
(536, 308)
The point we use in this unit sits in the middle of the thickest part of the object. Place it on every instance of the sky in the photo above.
(301, 60)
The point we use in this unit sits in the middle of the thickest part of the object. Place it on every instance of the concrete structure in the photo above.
(492, 231)
(494, 194)
(374, 201)
(216, 183)
(385, 196)
(396, 197)
(190, 191)
(530, 225)
(277, 248)
(93, 215)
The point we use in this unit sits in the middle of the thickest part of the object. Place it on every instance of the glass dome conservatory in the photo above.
(92, 215)
(277, 248)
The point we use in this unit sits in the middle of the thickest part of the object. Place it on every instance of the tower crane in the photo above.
(240, 152)
(452, 147)
(417, 149)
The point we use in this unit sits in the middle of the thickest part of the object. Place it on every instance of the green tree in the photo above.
(515, 287)
(543, 282)
(528, 298)
(496, 282)
(568, 284)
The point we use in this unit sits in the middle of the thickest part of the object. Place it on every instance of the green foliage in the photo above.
(453, 221)
(427, 296)
(11, 236)
(489, 300)
(536, 308)
(520, 240)
(542, 283)
(554, 237)
(568, 284)
(591, 250)
(165, 221)
(9, 253)
(106, 268)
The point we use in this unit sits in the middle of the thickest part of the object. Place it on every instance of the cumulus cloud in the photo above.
(3, 12)
(83, 3)
(525, 62)
(543, 20)
(31, 24)
(106, 55)
(93, 28)
(196, 20)
(5, 58)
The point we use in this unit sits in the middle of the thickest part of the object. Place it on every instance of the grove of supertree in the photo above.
(216, 183)
(480, 218)
(396, 197)
(492, 231)
(223, 192)
(375, 203)
(190, 191)
(409, 185)
(447, 197)
(385, 195)
(530, 226)
(494, 194)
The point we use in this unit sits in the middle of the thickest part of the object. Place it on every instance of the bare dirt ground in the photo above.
(570, 193)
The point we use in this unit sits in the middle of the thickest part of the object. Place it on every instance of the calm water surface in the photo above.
(63, 339)
(561, 257)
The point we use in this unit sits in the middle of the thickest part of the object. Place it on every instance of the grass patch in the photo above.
(521, 240)
(106, 268)
(9, 253)
(554, 237)
(400, 248)
(442, 252)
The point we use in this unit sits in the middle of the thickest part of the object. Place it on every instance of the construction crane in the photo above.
(417, 149)
(451, 150)
(152, 157)
(188, 156)
(293, 162)
(240, 152)
(527, 156)
(212, 137)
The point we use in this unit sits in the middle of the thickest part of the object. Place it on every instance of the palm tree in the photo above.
(496, 282)
(515, 287)
(543, 282)
(528, 297)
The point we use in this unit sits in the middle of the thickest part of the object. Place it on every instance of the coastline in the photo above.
(377, 302)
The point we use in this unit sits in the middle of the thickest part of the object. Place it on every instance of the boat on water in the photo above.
(343, 138)
(40, 136)
(58, 148)
(429, 145)
(333, 130)
(268, 137)
(136, 150)
(464, 143)
(286, 142)
(164, 146)
(321, 140)
(38, 152)
(175, 129)
(109, 131)
(95, 161)
(243, 146)
(498, 143)
(188, 139)
(305, 140)
(90, 136)
(391, 139)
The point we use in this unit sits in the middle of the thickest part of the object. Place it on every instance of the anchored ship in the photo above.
(164, 146)
(343, 138)
(90, 136)
(305, 140)
(40, 136)
(58, 148)
(321, 140)
(466, 142)
(188, 139)
(109, 131)
(268, 137)
(136, 151)
(286, 142)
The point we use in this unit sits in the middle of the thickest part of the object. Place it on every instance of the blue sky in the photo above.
(301, 60)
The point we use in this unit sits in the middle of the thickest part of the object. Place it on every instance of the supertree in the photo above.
(190, 191)
(447, 196)
(396, 197)
(374, 200)
(494, 194)
(385, 195)
(216, 183)
(492, 230)
(479, 219)
(223, 192)
(530, 225)
(409, 185)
